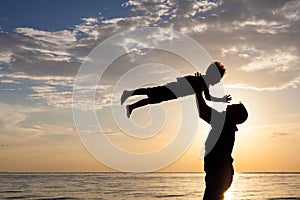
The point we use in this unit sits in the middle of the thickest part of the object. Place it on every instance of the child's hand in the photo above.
(197, 75)
(227, 98)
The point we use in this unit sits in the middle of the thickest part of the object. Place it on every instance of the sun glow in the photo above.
(229, 193)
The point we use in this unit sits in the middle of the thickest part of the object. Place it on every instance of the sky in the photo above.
(44, 43)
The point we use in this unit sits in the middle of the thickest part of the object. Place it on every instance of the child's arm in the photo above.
(226, 98)
(204, 89)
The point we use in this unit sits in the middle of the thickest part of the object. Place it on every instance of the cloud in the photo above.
(196, 28)
(12, 115)
(90, 20)
(281, 134)
(242, 51)
(103, 96)
(261, 25)
(54, 91)
(279, 60)
(26, 125)
(113, 20)
(94, 130)
(63, 37)
(38, 81)
(40, 52)
(58, 93)
(52, 96)
(6, 57)
(291, 84)
(49, 54)
(239, 30)
(21, 75)
(52, 129)
(154, 9)
(9, 81)
(32, 48)
(204, 6)
(87, 30)
(263, 69)
(290, 10)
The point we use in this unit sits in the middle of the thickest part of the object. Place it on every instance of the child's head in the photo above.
(215, 72)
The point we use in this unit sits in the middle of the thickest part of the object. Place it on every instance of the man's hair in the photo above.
(216, 65)
(238, 113)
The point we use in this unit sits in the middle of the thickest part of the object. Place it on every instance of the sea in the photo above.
(140, 186)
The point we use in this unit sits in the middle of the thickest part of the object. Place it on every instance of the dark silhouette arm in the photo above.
(203, 109)
(207, 95)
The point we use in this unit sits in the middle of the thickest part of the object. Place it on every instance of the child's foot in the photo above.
(125, 96)
(128, 111)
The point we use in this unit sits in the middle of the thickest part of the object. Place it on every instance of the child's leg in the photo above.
(128, 93)
(140, 91)
(138, 104)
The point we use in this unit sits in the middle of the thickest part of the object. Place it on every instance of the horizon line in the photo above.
(250, 172)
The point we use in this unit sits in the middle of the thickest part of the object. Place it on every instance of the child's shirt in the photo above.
(187, 85)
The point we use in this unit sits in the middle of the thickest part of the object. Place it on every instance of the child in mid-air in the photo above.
(184, 86)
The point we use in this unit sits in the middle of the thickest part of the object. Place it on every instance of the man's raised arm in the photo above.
(203, 109)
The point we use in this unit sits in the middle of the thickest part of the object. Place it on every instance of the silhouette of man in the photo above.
(218, 146)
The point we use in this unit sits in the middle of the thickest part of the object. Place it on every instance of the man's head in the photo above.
(215, 72)
(237, 113)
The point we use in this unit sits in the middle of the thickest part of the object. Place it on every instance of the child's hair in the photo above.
(212, 68)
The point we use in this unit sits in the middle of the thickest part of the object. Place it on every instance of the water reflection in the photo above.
(146, 186)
